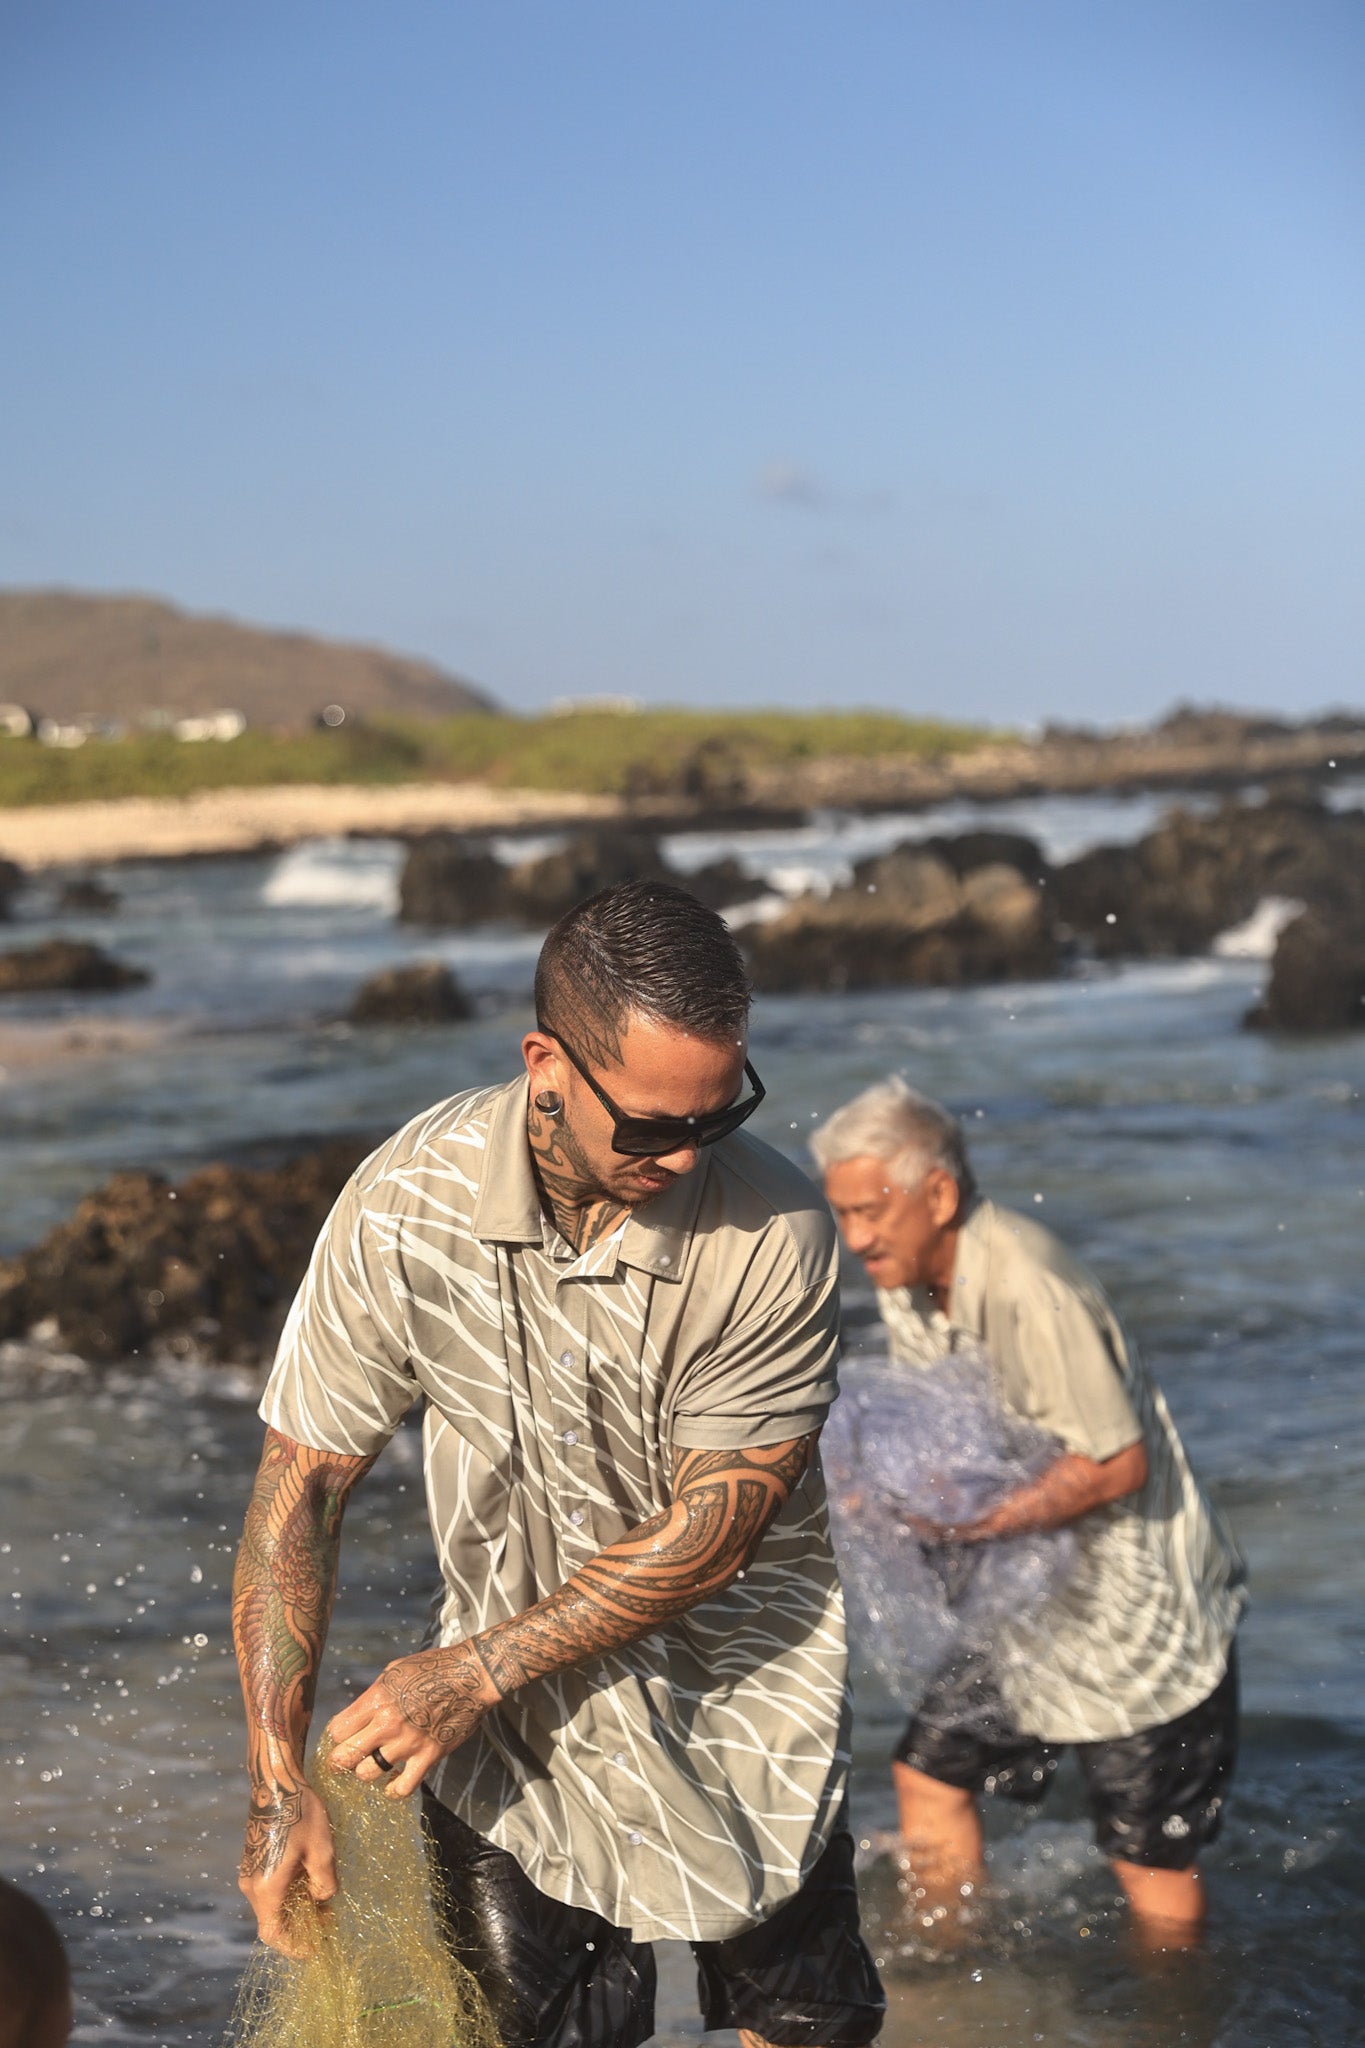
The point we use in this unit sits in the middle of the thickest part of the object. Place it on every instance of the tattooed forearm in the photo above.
(281, 1605)
(724, 1502)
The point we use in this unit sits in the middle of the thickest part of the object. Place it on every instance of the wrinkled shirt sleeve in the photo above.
(343, 1378)
(770, 1378)
(1062, 1361)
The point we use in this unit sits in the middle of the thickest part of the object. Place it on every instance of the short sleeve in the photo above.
(769, 1379)
(342, 1378)
(1061, 1357)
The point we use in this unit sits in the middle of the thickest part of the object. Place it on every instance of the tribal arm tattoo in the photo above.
(723, 1504)
(282, 1596)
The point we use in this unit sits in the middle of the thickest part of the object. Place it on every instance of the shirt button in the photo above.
(566, 1359)
(619, 1757)
(576, 1516)
(635, 1838)
(571, 1436)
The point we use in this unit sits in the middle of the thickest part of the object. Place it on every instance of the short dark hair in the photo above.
(644, 946)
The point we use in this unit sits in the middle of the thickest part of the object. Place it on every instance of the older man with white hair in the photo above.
(1132, 1661)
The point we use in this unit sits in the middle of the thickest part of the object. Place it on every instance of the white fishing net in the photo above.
(933, 1441)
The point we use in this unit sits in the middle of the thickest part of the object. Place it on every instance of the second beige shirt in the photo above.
(1140, 1632)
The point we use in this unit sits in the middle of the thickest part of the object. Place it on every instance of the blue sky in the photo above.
(993, 360)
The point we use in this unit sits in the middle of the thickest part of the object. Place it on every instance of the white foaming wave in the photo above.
(360, 874)
(1257, 936)
(1158, 977)
(1346, 795)
(793, 878)
(512, 848)
(755, 910)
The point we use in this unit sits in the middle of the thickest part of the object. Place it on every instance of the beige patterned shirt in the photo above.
(1140, 1632)
(683, 1786)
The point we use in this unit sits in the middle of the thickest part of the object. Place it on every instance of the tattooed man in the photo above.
(618, 1312)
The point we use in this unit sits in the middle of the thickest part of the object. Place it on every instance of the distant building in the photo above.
(61, 732)
(210, 725)
(568, 707)
(74, 732)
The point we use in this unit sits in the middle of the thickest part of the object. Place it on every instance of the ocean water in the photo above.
(1213, 1178)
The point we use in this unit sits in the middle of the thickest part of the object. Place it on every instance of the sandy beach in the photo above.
(240, 820)
(236, 820)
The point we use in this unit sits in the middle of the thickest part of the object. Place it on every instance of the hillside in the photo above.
(66, 656)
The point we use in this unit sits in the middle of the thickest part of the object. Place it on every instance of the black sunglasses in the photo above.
(643, 1137)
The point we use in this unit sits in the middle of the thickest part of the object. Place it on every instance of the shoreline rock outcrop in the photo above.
(419, 992)
(12, 879)
(1317, 978)
(941, 913)
(66, 965)
(84, 895)
(207, 1268)
(450, 882)
(987, 906)
(1195, 876)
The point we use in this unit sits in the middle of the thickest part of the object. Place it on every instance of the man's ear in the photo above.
(943, 1196)
(545, 1063)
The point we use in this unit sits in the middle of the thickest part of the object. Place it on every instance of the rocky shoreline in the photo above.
(145, 1269)
(1190, 750)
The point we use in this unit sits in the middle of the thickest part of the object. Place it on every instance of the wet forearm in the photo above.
(1070, 1487)
(283, 1589)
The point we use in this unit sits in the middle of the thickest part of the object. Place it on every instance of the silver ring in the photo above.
(382, 1760)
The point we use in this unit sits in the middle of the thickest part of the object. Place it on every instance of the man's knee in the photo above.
(930, 1795)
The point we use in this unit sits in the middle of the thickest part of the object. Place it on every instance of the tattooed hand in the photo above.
(418, 1710)
(288, 1850)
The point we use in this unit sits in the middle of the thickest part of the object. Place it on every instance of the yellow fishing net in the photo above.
(380, 1974)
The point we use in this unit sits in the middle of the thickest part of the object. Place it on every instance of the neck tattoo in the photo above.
(582, 1212)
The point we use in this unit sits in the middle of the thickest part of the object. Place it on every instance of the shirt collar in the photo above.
(507, 1206)
(656, 1237)
(971, 1266)
(971, 1262)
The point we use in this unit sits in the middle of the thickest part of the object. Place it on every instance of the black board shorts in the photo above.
(1157, 1796)
(558, 1976)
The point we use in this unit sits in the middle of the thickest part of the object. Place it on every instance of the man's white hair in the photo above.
(891, 1121)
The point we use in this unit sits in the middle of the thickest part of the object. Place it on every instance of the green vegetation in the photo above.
(706, 754)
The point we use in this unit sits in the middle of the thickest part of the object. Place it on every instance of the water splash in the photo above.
(938, 1444)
